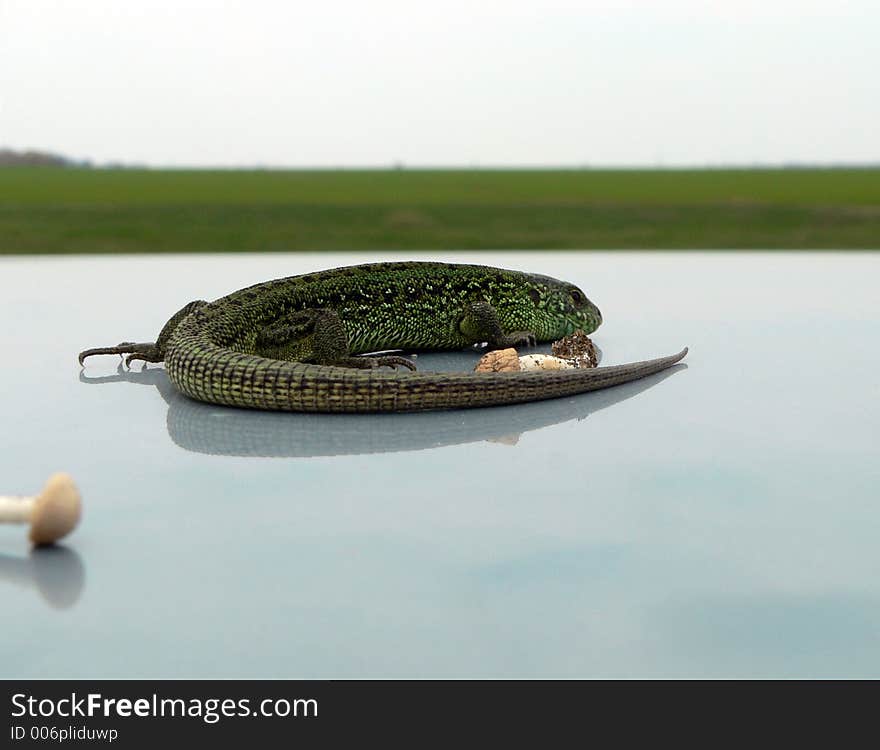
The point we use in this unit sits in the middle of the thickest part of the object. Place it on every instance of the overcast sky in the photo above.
(495, 82)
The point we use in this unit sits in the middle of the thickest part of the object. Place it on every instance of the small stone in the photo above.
(500, 360)
(544, 362)
(577, 348)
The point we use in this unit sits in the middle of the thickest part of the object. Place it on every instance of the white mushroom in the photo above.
(52, 514)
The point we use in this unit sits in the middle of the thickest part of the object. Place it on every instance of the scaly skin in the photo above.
(288, 344)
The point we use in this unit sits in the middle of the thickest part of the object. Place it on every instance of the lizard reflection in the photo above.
(226, 431)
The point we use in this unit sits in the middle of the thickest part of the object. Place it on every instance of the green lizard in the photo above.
(290, 344)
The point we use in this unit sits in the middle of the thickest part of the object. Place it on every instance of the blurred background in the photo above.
(270, 125)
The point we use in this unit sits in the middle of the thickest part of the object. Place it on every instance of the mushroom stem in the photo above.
(16, 509)
(52, 514)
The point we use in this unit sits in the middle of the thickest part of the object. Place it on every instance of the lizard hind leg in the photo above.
(146, 351)
(316, 335)
(152, 351)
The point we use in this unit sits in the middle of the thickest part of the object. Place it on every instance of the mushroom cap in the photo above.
(56, 510)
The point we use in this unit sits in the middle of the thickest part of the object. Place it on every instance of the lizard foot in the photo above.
(148, 352)
(394, 362)
(151, 355)
(371, 363)
(515, 339)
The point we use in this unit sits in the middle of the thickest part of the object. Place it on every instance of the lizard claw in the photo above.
(518, 338)
(395, 362)
(121, 349)
(371, 363)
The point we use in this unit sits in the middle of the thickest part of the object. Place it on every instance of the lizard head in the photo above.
(562, 308)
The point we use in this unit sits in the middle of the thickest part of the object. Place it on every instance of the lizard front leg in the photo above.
(480, 323)
(316, 335)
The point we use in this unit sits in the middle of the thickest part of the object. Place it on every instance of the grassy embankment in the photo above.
(45, 210)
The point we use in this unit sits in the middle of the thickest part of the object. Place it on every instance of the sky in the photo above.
(481, 83)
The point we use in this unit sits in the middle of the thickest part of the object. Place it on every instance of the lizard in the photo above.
(292, 344)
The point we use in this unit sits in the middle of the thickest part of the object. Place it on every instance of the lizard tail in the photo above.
(217, 375)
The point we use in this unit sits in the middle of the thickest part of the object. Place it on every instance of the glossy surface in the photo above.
(717, 520)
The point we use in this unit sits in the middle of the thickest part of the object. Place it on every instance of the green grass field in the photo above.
(46, 210)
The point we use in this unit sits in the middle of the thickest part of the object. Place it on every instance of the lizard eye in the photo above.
(535, 295)
(577, 297)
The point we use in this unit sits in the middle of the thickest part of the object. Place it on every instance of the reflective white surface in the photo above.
(718, 520)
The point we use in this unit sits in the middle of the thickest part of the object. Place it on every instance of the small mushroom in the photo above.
(52, 514)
